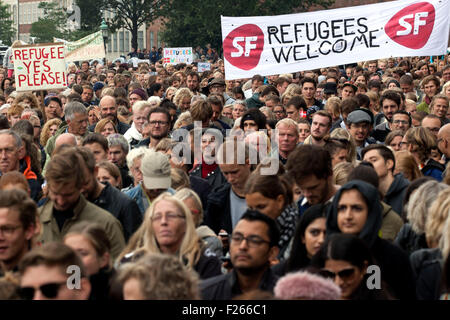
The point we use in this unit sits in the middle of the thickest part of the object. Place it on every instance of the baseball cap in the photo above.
(98, 85)
(126, 73)
(359, 116)
(217, 81)
(349, 84)
(155, 169)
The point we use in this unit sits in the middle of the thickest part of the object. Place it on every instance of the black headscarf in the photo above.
(369, 233)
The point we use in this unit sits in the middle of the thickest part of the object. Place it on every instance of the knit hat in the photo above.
(306, 286)
(140, 92)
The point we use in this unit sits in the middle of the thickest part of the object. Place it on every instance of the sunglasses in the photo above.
(49, 290)
(343, 274)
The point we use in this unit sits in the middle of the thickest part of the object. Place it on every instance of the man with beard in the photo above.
(108, 110)
(320, 127)
(390, 104)
(253, 245)
(107, 197)
(67, 206)
(311, 168)
(159, 122)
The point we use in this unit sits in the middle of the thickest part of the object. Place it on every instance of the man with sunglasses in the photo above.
(18, 215)
(46, 274)
(253, 244)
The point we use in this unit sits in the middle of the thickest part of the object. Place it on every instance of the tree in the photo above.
(90, 15)
(53, 24)
(189, 23)
(6, 25)
(131, 15)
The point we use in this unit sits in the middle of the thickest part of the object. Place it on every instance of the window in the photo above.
(115, 42)
(140, 39)
(121, 46)
(35, 12)
(151, 39)
(110, 42)
(127, 41)
(159, 39)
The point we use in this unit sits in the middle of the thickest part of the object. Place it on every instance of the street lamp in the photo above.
(105, 32)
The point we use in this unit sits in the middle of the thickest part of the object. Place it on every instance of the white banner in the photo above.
(178, 55)
(203, 66)
(87, 48)
(39, 67)
(269, 45)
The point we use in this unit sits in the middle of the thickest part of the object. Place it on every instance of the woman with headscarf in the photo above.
(356, 209)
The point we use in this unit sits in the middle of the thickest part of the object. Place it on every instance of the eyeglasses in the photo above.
(160, 123)
(252, 241)
(8, 230)
(49, 290)
(343, 274)
(169, 216)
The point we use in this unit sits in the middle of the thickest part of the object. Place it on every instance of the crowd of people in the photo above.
(159, 182)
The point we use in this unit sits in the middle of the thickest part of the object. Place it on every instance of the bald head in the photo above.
(444, 140)
(108, 108)
(66, 138)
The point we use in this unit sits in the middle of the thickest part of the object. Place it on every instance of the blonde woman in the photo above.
(412, 234)
(169, 228)
(184, 119)
(427, 264)
(49, 130)
(182, 99)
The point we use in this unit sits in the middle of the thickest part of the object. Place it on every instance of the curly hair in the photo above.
(45, 134)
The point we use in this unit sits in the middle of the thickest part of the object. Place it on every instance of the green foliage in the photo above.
(91, 15)
(190, 23)
(130, 15)
(53, 24)
(6, 25)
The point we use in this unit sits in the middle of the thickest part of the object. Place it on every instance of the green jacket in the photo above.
(423, 106)
(392, 223)
(83, 211)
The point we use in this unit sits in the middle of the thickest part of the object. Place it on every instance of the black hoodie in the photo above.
(394, 263)
(396, 192)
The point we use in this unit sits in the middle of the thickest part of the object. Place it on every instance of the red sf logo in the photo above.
(412, 26)
(243, 46)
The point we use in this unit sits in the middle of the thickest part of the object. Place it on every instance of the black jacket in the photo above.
(122, 207)
(202, 188)
(120, 126)
(101, 284)
(214, 178)
(218, 213)
(395, 267)
(409, 240)
(427, 267)
(226, 287)
(396, 192)
(381, 131)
